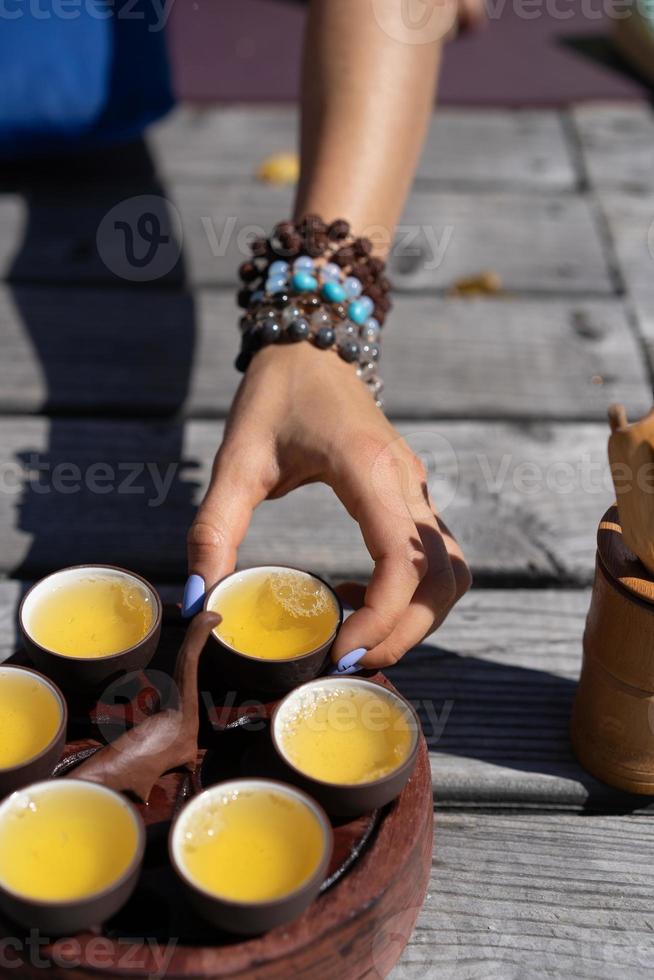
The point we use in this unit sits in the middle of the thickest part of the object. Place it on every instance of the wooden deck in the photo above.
(539, 870)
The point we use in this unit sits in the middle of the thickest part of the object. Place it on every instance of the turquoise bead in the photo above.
(333, 292)
(304, 282)
(358, 312)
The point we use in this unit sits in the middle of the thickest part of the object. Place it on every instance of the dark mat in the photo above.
(532, 53)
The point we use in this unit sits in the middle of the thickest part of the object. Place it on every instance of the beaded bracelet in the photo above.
(316, 282)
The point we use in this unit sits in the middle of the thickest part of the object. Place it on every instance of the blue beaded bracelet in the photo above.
(315, 297)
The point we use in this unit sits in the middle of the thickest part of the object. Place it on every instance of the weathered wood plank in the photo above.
(494, 690)
(529, 896)
(630, 218)
(156, 352)
(544, 243)
(11, 593)
(207, 143)
(524, 148)
(524, 499)
(498, 148)
(617, 143)
(536, 242)
(631, 225)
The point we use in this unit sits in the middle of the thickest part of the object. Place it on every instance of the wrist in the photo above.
(303, 382)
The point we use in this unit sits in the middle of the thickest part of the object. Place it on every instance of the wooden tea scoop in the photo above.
(631, 457)
(164, 741)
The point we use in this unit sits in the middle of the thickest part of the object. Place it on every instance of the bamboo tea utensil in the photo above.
(612, 726)
(631, 458)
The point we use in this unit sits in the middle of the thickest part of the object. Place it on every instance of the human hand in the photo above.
(301, 415)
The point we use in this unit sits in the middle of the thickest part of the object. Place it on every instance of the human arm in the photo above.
(301, 415)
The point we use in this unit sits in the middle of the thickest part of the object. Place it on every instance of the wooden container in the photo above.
(612, 726)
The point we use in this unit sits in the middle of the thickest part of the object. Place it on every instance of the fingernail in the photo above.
(348, 663)
(193, 596)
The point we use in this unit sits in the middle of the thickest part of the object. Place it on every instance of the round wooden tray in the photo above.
(356, 928)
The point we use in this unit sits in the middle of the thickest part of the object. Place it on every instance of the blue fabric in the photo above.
(69, 83)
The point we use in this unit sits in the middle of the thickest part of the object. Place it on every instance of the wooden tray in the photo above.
(356, 928)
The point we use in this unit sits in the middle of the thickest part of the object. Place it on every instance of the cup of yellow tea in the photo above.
(251, 853)
(70, 855)
(33, 719)
(349, 742)
(277, 628)
(87, 624)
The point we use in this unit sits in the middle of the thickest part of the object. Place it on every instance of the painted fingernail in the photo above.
(193, 596)
(348, 663)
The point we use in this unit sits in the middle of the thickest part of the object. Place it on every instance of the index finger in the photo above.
(222, 519)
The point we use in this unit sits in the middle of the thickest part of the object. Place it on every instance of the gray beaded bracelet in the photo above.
(316, 299)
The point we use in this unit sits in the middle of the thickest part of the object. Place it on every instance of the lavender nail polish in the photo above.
(193, 596)
(348, 662)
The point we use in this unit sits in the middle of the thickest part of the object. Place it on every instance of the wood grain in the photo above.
(205, 143)
(545, 243)
(617, 144)
(520, 236)
(630, 221)
(629, 217)
(524, 499)
(154, 352)
(530, 896)
(525, 148)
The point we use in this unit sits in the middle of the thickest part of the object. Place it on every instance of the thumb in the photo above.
(219, 527)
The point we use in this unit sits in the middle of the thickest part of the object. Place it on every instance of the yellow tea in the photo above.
(65, 840)
(92, 617)
(30, 714)
(346, 733)
(250, 845)
(275, 614)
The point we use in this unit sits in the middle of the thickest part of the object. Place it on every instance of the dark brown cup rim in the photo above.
(63, 721)
(134, 863)
(348, 679)
(156, 619)
(289, 568)
(280, 787)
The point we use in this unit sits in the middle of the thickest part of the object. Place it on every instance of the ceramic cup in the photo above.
(340, 798)
(60, 917)
(259, 675)
(249, 917)
(79, 673)
(42, 764)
